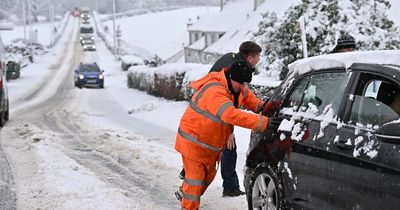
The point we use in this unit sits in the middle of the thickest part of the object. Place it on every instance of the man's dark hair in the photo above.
(249, 48)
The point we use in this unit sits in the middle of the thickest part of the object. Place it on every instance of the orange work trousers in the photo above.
(198, 177)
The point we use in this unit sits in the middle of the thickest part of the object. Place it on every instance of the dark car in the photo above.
(12, 70)
(89, 75)
(338, 146)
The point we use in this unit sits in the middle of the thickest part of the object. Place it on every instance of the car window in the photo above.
(377, 103)
(321, 90)
(86, 30)
(90, 68)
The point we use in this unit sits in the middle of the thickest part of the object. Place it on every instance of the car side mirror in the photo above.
(76, 71)
(389, 132)
(102, 71)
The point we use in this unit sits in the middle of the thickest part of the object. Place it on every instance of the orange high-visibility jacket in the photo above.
(208, 121)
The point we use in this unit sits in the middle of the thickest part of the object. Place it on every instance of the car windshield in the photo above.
(90, 68)
(86, 30)
(89, 41)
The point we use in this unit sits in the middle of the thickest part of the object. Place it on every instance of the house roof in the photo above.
(238, 21)
(199, 44)
(232, 14)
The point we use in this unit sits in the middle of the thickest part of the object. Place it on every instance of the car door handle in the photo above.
(342, 145)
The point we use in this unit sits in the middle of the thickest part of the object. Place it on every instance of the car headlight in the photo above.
(101, 76)
(81, 76)
(92, 38)
(80, 38)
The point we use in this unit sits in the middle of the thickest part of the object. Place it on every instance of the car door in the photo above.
(365, 170)
(312, 108)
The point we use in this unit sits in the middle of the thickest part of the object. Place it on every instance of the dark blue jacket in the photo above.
(227, 60)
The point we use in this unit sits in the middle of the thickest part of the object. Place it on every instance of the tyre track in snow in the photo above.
(7, 193)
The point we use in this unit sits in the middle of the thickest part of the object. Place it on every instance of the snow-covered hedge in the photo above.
(172, 81)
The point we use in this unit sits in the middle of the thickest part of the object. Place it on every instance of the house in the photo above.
(215, 34)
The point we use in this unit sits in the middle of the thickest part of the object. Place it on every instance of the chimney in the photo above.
(255, 4)
(221, 4)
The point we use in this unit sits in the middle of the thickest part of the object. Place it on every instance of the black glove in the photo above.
(273, 123)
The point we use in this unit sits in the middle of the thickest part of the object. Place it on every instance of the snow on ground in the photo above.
(162, 33)
(62, 183)
(44, 32)
(33, 76)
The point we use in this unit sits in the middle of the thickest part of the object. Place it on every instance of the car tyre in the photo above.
(7, 113)
(264, 189)
(2, 120)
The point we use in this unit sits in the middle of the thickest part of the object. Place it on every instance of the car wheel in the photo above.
(2, 120)
(264, 189)
(7, 113)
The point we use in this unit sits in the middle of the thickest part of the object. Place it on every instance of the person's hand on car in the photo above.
(274, 123)
(272, 107)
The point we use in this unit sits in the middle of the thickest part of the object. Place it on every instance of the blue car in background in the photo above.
(89, 75)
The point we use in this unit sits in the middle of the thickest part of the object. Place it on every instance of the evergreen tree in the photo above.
(325, 21)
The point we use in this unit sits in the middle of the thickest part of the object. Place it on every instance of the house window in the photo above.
(214, 38)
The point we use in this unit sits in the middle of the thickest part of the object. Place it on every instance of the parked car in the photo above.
(130, 60)
(90, 75)
(89, 45)
(12, 70)
(4, 104)
(338, 146)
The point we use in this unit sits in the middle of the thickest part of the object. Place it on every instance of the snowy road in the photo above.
(70, 148)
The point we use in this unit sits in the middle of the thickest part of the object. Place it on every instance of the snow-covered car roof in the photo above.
(344, 60)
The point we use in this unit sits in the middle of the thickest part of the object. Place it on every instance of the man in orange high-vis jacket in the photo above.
(208, 122)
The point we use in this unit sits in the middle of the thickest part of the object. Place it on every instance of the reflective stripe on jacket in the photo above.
(208, 121)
